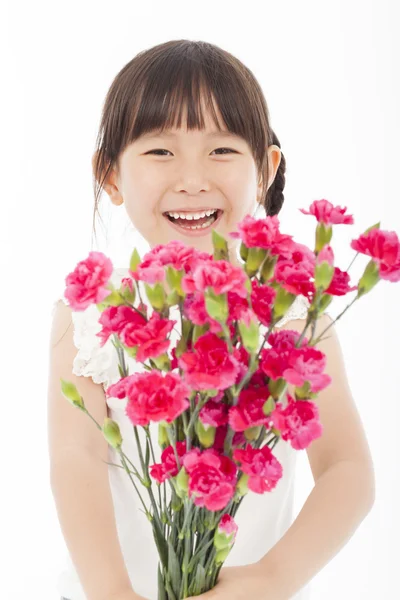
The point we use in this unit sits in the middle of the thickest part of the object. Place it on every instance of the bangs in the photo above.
(176, 86)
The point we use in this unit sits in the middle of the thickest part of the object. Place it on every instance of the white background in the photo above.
(330, 74)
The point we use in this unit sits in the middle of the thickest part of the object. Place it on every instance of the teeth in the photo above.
(192, 216)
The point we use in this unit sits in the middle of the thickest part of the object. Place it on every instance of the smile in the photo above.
(194, 223)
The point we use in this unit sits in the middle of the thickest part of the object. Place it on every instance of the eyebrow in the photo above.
(170, 134)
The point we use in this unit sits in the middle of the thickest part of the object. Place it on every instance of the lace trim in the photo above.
(92, 360)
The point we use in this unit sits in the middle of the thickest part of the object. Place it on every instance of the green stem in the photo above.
(134, 484)
(147, 480)
(149, 441)
(314, 342)
(227, 336)
(172, 440)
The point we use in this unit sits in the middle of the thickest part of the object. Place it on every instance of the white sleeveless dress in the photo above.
(262, 519)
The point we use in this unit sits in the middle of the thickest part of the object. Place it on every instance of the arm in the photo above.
(343, 473)
(78, 477)
(82, 495)
(336, 506)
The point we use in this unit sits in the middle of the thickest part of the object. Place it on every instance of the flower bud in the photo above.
(252, 433)
(70, 392)
(217, 306)
(205, 433)
(241, 487)
(127, 290)
(156, 295)
(162, 362)
(369, 278)
(182, 482)
(283, 301)
(268, 406)
(113, 299)
(220, 246)
(249, 333)
(323, 275)
(174, 279)
(267, 269)
(225, 533)
(276, 386)
(243, 251)
(173, 298)
(221, 556)
(163, 439)
(323, 235)
(254, 260)
(112, 433)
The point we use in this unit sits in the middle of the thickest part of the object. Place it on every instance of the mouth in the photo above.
(194, 223)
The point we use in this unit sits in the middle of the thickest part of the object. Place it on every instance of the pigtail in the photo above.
(274, 197)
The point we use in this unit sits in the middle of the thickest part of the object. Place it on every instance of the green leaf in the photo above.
(174, 570)
(134, 261)
(162, 594)
(160, 543)
(200, 580)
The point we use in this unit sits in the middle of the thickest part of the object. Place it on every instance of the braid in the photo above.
(274, 197)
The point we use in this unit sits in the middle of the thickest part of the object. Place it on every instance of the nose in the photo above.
(192, 178)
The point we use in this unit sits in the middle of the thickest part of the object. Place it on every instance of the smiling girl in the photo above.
(186, 146)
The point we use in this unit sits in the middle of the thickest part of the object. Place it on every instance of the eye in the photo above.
(228, 149)
(163, 150)
(158, 150)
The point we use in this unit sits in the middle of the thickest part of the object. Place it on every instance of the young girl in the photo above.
(186, 146)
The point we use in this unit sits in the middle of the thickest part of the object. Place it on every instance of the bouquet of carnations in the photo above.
(220, 395)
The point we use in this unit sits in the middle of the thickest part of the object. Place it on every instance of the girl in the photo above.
(186, 146)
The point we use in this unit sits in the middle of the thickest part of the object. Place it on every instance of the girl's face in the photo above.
(200, 178)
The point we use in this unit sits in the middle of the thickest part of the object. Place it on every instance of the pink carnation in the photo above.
(220, 435)
(152, 396)
(262, 299)
(212, 478)
(214, 413)
(219, 275)
(195, 310)
(114, 319)
(248, 412)
(209, 365)
(384, 248)
(339, 285)
(275, 360)
(298, 423)
(176, 254)
(307, 364)
(228, 526)
(261, 233)
(326, 255)
(296, 272)
(263, 469)
(150, 338)
(86, 284)
(168, 467)
(326, 213)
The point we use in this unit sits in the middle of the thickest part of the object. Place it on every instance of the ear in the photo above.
(110, 185)
(274, 160)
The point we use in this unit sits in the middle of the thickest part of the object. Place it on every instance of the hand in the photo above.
(248, 582)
